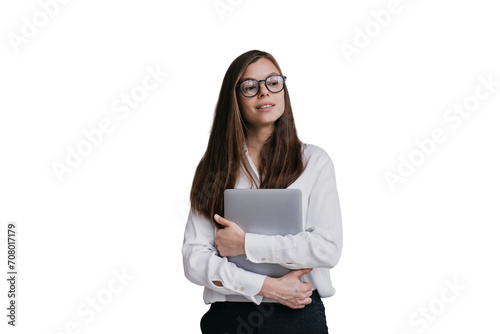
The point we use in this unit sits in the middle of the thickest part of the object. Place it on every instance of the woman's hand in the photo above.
(288, 290)
(230, 240)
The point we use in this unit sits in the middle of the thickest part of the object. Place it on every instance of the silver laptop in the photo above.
(264, 211)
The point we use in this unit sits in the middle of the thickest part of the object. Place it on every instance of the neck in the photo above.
(257, 138)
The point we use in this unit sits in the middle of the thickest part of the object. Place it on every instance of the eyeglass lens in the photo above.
(250, 87)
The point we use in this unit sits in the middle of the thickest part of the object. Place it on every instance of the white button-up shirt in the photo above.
(319, 245)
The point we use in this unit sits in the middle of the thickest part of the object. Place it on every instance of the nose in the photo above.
(263, 89)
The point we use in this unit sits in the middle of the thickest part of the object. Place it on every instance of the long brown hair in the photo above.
(281, 160)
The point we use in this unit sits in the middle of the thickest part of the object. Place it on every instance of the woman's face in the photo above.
(263, 109)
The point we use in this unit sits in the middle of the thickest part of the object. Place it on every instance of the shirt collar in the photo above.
(253, 169)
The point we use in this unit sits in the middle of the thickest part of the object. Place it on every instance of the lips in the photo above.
(265, 107)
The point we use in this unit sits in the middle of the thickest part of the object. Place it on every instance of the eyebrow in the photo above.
(273, 73)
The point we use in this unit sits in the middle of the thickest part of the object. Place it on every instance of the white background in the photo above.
(124, 207)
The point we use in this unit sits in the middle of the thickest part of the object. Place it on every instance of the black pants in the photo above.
(266, 318)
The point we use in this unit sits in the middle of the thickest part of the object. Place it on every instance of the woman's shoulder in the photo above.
(317, 159)
(315, 152)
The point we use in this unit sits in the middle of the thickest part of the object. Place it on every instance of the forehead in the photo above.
(261, 69)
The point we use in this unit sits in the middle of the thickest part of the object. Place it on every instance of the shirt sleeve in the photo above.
(320, 245)
(203, 265)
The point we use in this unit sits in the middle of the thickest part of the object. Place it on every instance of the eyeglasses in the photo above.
(251, 87)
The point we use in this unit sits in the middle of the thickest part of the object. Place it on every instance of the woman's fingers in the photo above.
(308, 286)
(299, 272)
(222, 221)
(296, 304)
(302, 290)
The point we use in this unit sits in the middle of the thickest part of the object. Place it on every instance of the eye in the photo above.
(275, 79)
(249, 85)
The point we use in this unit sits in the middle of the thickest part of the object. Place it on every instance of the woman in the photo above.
(254, 144)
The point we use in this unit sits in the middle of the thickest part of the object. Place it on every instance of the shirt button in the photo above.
(263, 259)
(242, 289)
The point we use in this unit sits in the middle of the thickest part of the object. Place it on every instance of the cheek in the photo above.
(245, 109)
(282, 106)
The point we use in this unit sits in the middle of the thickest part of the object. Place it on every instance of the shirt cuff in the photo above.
(259, 248)
(249, 285)
(244, 283)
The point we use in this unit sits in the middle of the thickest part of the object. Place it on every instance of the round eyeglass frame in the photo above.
(265, 83)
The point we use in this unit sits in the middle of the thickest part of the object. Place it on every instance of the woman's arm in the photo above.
(320, 245)
(203, 266)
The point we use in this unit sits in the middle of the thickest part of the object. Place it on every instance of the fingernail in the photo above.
(217, 216)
